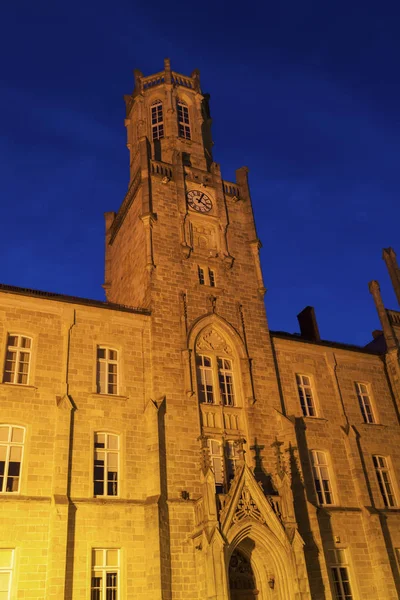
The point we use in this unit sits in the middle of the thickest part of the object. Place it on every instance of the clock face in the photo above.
(199, 201)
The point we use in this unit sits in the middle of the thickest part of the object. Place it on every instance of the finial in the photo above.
(138, 80)
(167, 71)
(196, 79)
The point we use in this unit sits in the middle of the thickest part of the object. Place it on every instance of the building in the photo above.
(181, 450)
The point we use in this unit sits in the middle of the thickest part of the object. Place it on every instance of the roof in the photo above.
(296, 337)
(11, 289)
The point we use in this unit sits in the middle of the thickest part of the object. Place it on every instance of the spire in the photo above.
(390, 337)
(389, 256)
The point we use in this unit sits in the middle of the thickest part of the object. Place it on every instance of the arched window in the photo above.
(183, 120)
(157, 120)
(11, 450)
(106, 464)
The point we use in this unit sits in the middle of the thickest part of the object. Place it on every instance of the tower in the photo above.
(184, 245)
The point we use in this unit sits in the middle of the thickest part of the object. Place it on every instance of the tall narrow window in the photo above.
(305, 395)
(384, 480)
(225, 377)
(217, 464)
(11, 449)
(105, 574)
(106, 464)
(200, 271)
(18, 357)
(322, 481)
(340, 575)
(231, 459)
(6, 569)
(157, 120)
(107, 371)
(211, 277)
(205, 378)
(365, 403)
(183, 121)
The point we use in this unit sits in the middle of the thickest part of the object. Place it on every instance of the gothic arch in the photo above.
(271, 559)
(221, 326)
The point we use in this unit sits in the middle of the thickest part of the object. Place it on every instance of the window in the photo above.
(18, 357)
(231, 457)
(105, 574)
(157, 121)
(210, 369)
(106, 464)
(6, 568)
(211, 277)
(225, 377)
(183, 121)
(217, 464)
(384, 480)
(206, 276)
(202, 280)
(11, 448)
(306, 395)
(340, 575)
(321, 477)
(223, 459)
(364, 399)
(205, 377)
(107, 371)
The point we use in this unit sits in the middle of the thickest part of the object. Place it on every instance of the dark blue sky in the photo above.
(306, 94)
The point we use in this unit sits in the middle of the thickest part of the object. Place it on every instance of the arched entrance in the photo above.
(242, 583)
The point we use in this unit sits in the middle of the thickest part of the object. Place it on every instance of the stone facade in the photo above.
(181, 450)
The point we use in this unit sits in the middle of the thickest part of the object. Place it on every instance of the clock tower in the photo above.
(184, 245)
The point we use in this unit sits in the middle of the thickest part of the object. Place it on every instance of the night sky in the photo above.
(306, 94)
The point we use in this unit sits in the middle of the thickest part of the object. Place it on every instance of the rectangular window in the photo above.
(18, 357)
(183, 121)
(217, 464)
(202, 280)
(6, 569)
(205, 379)
(157, 121)
(211, 277)
(340, 575)
(107, 371)
(105, 574)
(225, 377)
(365, 403)
(306, 395)
(322, 481)
(231, 460)
(11, 449)
(106, 464)
(384, 480)
(206, 276)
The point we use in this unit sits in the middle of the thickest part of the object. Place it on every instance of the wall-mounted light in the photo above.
(165, 180)
(271, 582)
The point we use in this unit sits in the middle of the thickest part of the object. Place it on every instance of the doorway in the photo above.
(242, 583)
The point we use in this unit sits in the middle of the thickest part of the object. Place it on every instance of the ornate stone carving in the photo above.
(247, 508)
(210, 340)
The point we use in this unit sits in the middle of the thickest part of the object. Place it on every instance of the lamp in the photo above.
(271, 582)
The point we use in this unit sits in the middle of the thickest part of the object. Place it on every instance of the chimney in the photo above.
(308, 324)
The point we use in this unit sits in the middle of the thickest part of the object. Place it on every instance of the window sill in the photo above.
(116, 396)
(381, 425)
(24, 386)
(316, 419)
